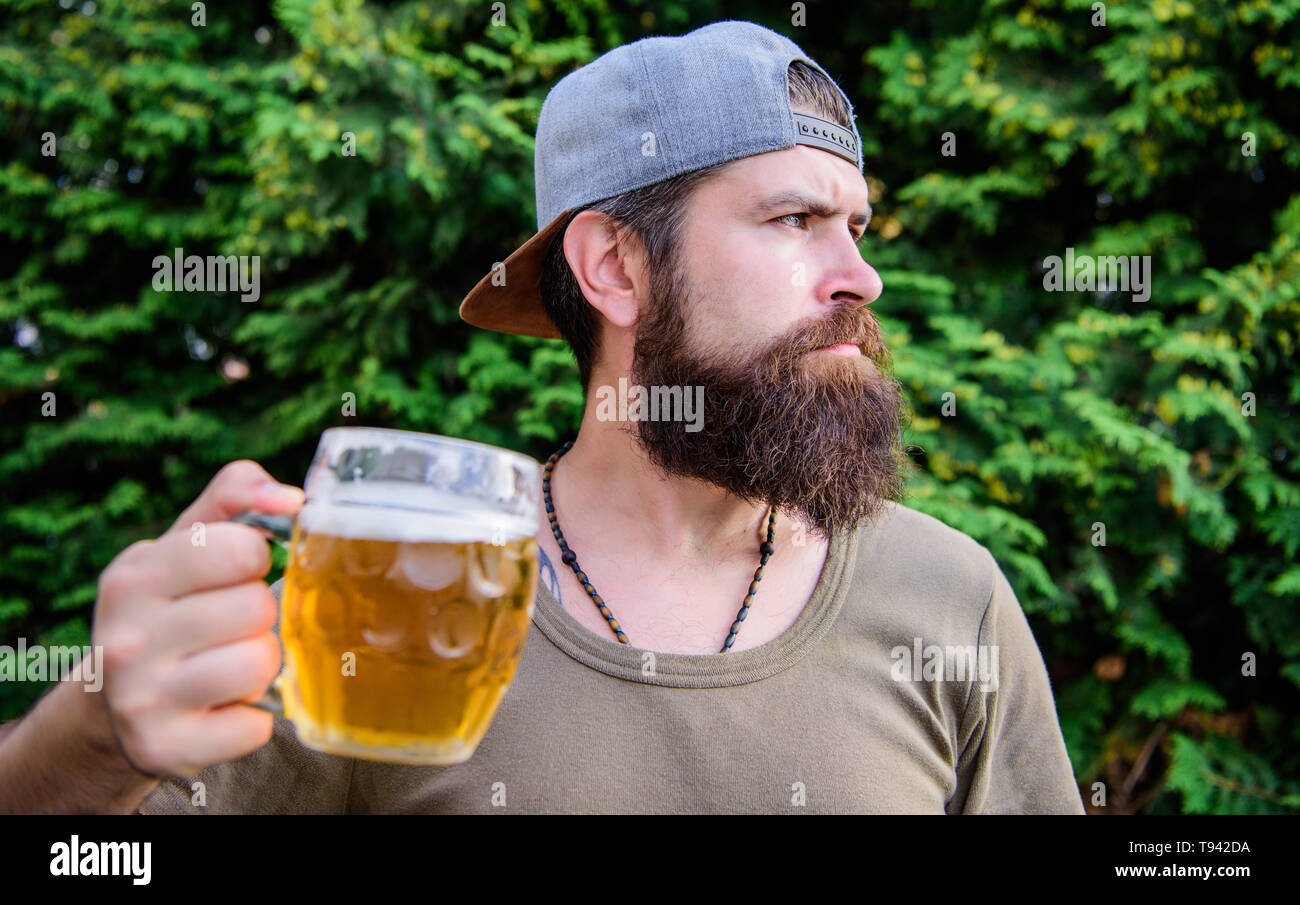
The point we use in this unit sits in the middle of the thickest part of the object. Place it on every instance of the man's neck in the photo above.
(606, 489)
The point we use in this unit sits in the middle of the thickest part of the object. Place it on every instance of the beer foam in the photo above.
(394, 511)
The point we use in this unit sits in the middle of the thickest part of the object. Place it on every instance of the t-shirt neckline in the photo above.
(627, 661)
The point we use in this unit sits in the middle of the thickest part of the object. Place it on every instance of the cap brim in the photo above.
(509, 300)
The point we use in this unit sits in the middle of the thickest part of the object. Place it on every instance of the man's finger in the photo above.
(236, 487)
(230, 554)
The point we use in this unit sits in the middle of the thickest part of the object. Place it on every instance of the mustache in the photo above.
(846, 324)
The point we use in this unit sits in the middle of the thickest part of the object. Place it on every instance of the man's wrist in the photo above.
(108, 740)
(130, 782)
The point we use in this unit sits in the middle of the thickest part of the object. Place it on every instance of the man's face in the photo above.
(754, 296)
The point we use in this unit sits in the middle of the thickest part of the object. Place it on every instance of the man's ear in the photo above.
(608, 264)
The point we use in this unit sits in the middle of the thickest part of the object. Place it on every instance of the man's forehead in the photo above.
(790, 174)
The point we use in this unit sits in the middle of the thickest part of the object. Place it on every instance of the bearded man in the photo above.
(734, 615)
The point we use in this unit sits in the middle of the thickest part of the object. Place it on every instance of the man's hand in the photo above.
(186, 630)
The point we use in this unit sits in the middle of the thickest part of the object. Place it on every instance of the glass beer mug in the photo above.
(408, 593)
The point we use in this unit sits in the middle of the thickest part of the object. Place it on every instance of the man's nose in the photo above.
(858, 280)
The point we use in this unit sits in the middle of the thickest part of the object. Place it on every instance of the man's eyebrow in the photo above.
(814, 206)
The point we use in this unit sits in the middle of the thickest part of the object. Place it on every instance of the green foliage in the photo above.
(171, 135)
(1039, 417)
(1217, 775)
(1077, 410)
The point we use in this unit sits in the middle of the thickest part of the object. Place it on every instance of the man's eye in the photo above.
(805, 215)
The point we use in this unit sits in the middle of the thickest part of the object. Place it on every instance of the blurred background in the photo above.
(997, 134)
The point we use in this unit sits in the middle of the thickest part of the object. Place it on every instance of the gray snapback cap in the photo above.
(642, 113)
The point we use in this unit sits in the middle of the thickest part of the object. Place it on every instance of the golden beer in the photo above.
(398, 648)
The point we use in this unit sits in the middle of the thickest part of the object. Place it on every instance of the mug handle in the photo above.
(280, 527)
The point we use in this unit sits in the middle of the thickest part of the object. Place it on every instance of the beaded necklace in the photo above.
(765, 550)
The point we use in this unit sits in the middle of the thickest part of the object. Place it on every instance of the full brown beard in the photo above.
(817, 435)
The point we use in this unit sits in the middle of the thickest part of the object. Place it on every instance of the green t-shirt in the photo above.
(910, 683)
